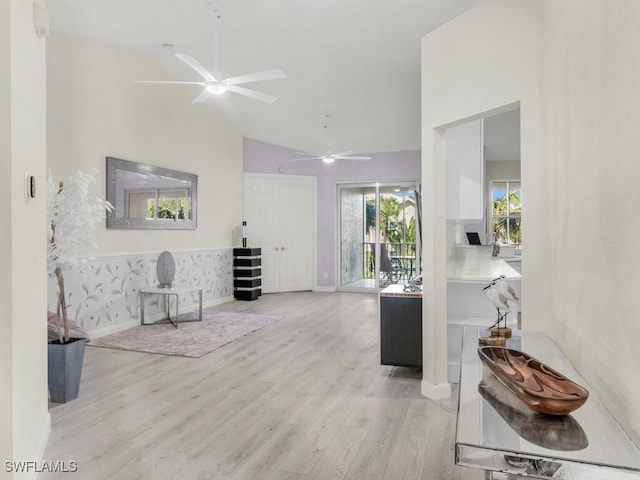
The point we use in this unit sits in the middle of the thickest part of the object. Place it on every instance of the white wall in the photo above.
(262, 157)
(6, 323)
(502, 170)
(572, 65)
(95, 110)
(483, 60)
(591, 115)
(24, 420)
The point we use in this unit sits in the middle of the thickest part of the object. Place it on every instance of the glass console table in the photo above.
(496, 432)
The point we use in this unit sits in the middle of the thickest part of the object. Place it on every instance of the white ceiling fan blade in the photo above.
(195, 65)
(307, 153)
(305, 158)
(256, 77)
(204, 95)
(168, 82)
(348, 157)
(263, 97)
(341, 154)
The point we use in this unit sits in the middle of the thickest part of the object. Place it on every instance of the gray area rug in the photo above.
(191, 339)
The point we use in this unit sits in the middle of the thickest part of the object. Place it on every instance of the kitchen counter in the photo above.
(514, 258)
(397, 290)
(477, 265)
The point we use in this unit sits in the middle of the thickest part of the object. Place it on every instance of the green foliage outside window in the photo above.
(395, 230)
(169, 208)
(506, 211)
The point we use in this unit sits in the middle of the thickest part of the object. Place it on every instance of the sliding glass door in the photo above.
(379, 235)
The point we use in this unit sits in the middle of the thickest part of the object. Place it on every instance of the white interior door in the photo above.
(261, 214)
(281, 217)
(297, 232)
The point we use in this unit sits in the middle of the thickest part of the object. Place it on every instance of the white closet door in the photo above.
(297, 232)
(281, 217)
(261, 213)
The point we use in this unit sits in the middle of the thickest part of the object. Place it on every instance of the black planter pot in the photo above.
(65, 369)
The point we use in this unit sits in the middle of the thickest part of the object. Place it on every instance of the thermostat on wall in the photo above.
(30, 185)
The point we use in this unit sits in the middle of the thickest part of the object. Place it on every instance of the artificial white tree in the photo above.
(72, 215)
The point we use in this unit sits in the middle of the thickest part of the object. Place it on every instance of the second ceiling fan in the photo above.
(214, 86)
(330, 158)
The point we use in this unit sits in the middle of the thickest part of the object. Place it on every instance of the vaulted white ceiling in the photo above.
(358, 60)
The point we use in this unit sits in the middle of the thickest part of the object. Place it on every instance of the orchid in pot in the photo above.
(72, 215)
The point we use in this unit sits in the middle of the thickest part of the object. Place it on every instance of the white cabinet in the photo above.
(465, 171)
(467, 302)
(280, 211)
(516, 265)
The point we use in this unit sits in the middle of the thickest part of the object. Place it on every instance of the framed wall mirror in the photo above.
(150, 197)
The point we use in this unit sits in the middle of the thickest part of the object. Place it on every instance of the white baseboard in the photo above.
(435, 391)
(101, 332)
(118, 327)
(218, 301)
(324, 289)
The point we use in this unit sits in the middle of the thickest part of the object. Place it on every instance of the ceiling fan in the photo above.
(214, 86)
(330, 158)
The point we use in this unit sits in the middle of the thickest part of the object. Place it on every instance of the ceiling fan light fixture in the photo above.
(217, 88)
(328, 159)
(215, 6)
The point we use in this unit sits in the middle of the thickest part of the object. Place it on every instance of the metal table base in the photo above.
(167, 292)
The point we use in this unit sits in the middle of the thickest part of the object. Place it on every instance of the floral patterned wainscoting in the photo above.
(103, 293)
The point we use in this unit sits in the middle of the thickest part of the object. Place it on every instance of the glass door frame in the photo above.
(415, 183)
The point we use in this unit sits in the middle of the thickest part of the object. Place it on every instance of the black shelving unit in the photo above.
(247, 273)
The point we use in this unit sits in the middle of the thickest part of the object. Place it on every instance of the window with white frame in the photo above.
(506, 211)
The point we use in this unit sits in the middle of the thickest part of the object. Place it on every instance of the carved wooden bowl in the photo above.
(554, 432)
(540, 387)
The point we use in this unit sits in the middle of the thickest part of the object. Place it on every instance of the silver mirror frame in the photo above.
(115, 164)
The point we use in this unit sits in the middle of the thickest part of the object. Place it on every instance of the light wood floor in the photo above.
(302, 399)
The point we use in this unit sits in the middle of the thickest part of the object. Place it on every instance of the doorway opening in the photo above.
(379, 228)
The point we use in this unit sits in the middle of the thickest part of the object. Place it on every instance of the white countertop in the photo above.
(475, 264)
(397, 290)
